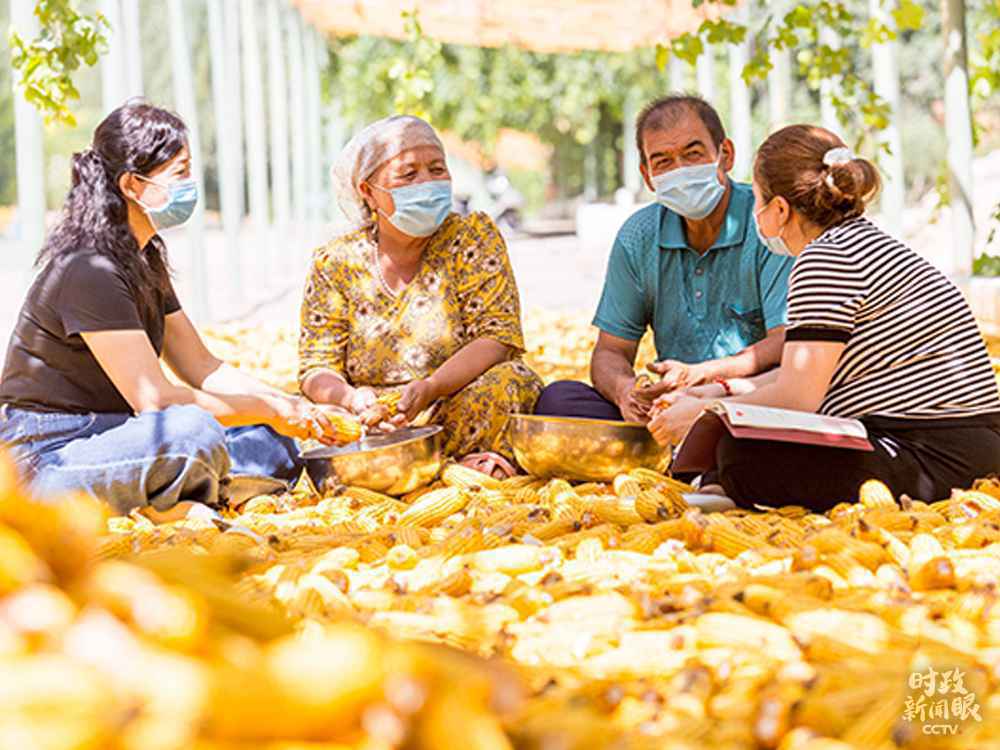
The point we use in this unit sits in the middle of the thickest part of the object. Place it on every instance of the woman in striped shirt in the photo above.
(874, 333)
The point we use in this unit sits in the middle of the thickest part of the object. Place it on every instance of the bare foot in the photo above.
(491, 464)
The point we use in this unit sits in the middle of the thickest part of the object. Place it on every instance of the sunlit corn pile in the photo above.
(609, 615)
(166, 652)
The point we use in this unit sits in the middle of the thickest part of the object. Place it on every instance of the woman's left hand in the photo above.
(669, 425)
(416, 397)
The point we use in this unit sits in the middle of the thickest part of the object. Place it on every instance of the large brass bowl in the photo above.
(587, 450)
(395, 464)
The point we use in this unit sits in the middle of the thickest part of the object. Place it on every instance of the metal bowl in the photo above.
(395, 464)
(587, 450)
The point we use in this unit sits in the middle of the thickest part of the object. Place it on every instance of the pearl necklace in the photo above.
(378, 272)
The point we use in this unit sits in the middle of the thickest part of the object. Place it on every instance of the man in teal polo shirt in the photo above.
(690, 266)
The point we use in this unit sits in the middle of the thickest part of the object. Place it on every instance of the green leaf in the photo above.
(662, 56)
(908, 16)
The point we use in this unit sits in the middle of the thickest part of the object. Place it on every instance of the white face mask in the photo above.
(693, 192)
(776, 245)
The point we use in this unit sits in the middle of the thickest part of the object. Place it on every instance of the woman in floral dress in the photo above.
(416, 298)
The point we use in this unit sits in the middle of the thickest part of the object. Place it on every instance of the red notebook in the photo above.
(697, 453)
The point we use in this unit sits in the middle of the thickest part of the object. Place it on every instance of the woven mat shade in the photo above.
(539, 25)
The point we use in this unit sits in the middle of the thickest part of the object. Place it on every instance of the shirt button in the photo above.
(697, 295)
(699, 271)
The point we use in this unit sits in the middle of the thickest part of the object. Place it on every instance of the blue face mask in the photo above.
(776, 245)
(692, 192)
(420, 209)
(182, 197)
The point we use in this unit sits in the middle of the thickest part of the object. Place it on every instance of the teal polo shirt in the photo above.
(700, 306)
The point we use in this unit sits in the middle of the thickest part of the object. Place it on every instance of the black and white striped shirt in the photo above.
(913, 350)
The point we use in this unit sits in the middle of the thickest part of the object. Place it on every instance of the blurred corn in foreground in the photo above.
(167, 651)
(591, 616)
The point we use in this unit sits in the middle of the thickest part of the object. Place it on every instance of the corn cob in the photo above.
(875, 494)
(343, 428)
(456, 475)
(434, 506)
(390, 400)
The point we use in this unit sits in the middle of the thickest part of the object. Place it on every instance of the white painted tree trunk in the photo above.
(677, 71)
(227, 146)
(29, 155)
(739, 92)
(113, 83)
(958, 129)
(278, 105)
(828, 87)
(886, 74)
(131, 29)
(705, 70)
(632, 177)
(234, 96)
(254, 124)
(779, 78)
(184, 103)
(298, 117)
(313, 124)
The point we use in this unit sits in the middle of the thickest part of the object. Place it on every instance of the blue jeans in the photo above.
(156, 458)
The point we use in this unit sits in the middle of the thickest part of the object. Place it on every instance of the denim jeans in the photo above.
(156, 458)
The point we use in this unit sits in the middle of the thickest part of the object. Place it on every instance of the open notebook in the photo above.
(697, 453)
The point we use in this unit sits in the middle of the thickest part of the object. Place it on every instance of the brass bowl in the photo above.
(586, 450)
(395, 464)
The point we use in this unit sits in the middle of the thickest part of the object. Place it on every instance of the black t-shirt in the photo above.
(49, 367)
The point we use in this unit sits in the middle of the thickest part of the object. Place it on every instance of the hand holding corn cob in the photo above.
(328, 424)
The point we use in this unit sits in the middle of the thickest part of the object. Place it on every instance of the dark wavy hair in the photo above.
(137, 137)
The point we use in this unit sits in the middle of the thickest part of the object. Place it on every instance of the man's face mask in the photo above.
(693, 192)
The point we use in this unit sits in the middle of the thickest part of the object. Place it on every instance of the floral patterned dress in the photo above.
(464, 290)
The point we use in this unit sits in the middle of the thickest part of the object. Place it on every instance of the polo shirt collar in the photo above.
(734, 226)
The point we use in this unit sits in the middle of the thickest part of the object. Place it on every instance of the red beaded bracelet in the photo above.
(725, 386)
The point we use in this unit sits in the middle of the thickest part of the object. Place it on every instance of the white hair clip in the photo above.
(839, 155)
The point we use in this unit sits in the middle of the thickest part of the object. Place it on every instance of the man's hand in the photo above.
(676, 375)
(632, 405)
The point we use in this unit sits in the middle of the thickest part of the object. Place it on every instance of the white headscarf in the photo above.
(370, 149)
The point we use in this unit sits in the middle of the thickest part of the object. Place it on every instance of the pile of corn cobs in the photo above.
(485, 614)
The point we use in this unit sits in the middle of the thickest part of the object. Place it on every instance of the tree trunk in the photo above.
(958, 130)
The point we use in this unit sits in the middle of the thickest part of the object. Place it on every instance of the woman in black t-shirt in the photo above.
(86, 404)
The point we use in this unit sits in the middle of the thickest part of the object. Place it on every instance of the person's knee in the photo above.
(190, 428)
(554, 397)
